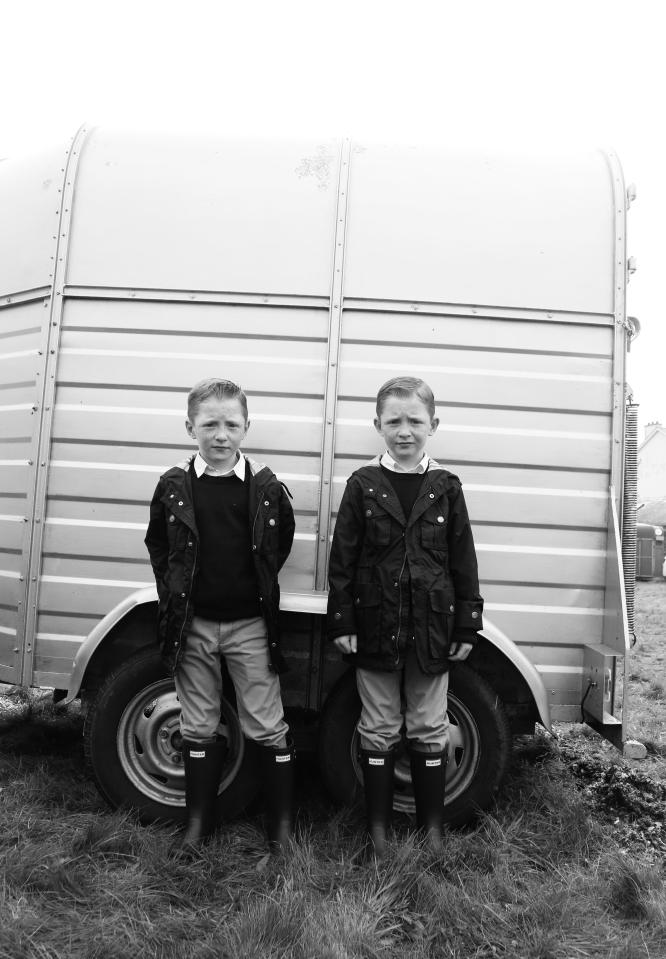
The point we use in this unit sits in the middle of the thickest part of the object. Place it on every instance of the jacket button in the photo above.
(357, 602)
(339, 615)
(180, 502)
(475, 615)
(266, 503)
(273, 645)
(189, 543)
(370, 490)
(395, 584)
(368, 512)
(176, 643)
(384, 495)
(431, 495)
(172, 519)
(271, 522)
(452, 609)
(182, 595)
(440, 519)
(172, 496)
(254, 549)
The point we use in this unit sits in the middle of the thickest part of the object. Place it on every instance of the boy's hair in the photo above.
(403, 387)
(221, 389)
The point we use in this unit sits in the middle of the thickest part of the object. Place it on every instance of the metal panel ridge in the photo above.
(620, 338)
(332, 368)
(51, 340)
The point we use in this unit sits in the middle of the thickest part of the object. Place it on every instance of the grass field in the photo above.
(570, 863)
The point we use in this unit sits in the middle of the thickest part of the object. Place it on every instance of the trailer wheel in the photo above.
(133, 745)
(480, 747)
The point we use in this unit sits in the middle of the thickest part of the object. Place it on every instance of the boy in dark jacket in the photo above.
(220, 528)
(403, 603)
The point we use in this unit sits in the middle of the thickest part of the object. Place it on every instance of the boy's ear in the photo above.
(190, 429)
(434, 423)
(378, 424)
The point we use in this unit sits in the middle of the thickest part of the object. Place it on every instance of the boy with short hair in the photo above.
(220, 529)
(404, 603)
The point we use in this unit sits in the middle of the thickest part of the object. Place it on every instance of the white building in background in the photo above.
(652, 463)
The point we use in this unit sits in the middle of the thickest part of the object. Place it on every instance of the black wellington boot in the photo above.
(277, 769)
(203, 768)
(377, 768)
(428, 780)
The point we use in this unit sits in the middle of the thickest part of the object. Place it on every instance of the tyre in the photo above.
(479, 747)
(133, 745)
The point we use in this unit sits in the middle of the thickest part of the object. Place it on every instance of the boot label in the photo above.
(433, 762)
(373, 761)
(286, 758)
(197, 754)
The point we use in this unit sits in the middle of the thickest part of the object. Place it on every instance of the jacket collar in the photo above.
(375, 484)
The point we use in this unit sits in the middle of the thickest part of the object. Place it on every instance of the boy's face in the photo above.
(405, 425)
(219, 427)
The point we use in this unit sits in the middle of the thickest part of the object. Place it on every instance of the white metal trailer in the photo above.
(310, 272)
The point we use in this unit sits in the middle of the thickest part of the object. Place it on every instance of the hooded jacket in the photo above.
(172, 540)
(374, 543)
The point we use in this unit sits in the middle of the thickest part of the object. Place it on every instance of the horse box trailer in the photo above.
(134, 265)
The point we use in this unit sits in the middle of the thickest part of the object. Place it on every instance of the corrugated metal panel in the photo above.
(20, 341)
(525, 413)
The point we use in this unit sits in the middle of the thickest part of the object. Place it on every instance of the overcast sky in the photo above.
(586, 73)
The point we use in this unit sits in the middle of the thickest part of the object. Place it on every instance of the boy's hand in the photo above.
(459, 651)
(347, 644)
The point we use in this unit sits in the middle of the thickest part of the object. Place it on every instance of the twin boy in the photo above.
(403, 603)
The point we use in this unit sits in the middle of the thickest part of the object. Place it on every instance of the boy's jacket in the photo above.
(372, 543)
(173, 544)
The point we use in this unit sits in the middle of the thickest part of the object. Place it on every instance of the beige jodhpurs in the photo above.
(243, 645)
(425, 701)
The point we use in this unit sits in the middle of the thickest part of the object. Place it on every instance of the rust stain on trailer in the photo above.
(318, 166)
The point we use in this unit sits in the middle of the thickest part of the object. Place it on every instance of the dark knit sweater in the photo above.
(226, 584)
(406, 486)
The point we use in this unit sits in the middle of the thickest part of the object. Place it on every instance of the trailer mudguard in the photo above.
(310, 603)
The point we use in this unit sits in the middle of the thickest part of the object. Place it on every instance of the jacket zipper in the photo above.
(397, 635)
(260, 495)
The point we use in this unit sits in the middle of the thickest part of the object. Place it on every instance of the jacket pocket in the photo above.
(367, 607)
(178, 534)
(377, 528)
(433, 534)
(441, 617)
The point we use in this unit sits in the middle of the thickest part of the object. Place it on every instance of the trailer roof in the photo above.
(257, 216)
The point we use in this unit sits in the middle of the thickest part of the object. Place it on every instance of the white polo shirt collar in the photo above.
(390, 464)
(201, 467)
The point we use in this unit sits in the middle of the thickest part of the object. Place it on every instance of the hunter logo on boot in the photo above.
(433, 762)
(372, 761)
(283, 759)
(198, 754)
